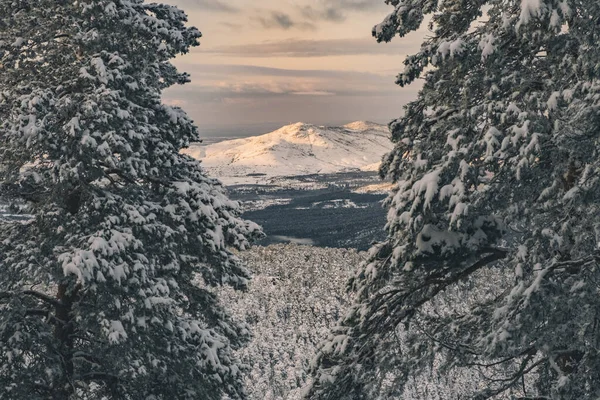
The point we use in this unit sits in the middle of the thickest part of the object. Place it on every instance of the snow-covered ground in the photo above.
(261, 204)
(382, 188)
(295, 150)
(338, 203)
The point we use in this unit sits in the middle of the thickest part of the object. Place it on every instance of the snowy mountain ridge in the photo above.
(297, 149)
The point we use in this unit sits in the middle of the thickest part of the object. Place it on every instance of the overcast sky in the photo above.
(263, 64)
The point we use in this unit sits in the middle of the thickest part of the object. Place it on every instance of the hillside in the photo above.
(298, 149)
(296, 295)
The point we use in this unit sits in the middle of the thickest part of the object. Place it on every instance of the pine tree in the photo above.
(104, 290)
(491, 267)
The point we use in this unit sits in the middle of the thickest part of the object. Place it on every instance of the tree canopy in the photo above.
(491, 267)
(296, 295)
(103, 290)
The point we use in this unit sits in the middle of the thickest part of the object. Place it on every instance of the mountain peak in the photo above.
(297, 125)
(359, 126)
(365, 126)
(292, 129)
(296, 149)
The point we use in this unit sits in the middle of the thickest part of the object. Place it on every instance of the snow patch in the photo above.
(529, 10)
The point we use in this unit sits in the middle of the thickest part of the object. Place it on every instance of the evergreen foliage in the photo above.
(102, 289)
(497, 173)
(296, 295)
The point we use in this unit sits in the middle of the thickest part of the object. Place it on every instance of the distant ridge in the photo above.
(365, 125)
(296, 149)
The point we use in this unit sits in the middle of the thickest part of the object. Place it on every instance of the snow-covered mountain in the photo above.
(298, 149)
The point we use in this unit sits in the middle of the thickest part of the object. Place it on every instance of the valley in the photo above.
(307, 184)
(325, 210)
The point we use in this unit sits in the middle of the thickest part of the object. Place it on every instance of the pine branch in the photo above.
(98, 376)
(121, 174)
(38, 295)
(80, 355)
(45, 298)
(524, 369)
(44, 313)
(38, 312)
(439, 283)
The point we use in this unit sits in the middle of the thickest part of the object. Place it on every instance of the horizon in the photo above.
(260, 67)
(210, 133)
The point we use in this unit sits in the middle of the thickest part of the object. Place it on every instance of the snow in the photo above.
(371, 167)
(491, 139)
(487, 46)
(555, 19)
(18, 42)
(73, 126)
(377, 188)
(431, 238)
(513, 108)
(553, 101)
(100, 68)
(295, 297)
(428, 185)
(459, 210)
(116, 332)
(261, 204)
(361, 126)
(520, 132)
(294, 240)
(564, 7)
(114, 240)
(452, 48)
(529, 9)
(444, 48)
(568, 95)
(297, 149)
(519, 271)
(331, 204)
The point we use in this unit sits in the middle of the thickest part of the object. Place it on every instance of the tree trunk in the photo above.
(63, 332)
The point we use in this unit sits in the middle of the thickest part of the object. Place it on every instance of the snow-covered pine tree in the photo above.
(103, 291)
(497, 171)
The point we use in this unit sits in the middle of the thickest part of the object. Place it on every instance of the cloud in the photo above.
(276, 19)
(208, 5)
(232, 25)
(250, 89)
(224, 82)
(238, 96)
(175, 102)
(313, 48)
(234, 115)
(327, 13)
(336, 10)
(232, 70)
(314, 93)
(358, 5)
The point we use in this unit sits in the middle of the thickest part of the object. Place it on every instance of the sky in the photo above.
(263, 64)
